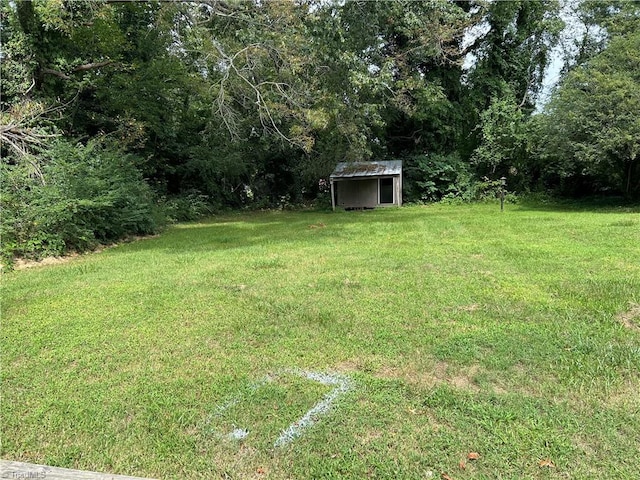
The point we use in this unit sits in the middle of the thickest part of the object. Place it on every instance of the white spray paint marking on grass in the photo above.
(238, 434)
(342, 385)
(296, 429)
(221, 409)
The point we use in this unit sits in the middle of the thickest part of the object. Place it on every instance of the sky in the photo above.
(573, 30)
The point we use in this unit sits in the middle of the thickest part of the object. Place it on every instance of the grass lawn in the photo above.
(455, 329)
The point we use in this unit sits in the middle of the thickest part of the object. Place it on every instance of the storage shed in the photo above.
(367, 184)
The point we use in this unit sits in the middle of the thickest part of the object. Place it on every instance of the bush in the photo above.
(431, 177)
(482, 190)
(87, 195)
(436, 177)
(186, 207)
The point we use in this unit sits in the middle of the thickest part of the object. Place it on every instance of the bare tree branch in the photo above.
(19, 136)
(55, 73)
(91, 66)
(80, 68)
(244, 73)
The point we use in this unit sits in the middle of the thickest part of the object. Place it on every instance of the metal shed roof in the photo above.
(367, 169)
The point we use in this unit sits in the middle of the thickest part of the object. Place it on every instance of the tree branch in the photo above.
(80, 68)
(92, 66)
(19, 136)
(55, 73)
(244, 74)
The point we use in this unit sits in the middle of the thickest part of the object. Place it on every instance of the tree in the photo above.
(503, 141)
(592, 124)
(515, 50)
(601, 20)
(313, 83)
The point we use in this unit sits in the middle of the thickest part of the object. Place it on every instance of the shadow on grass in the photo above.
(308, 228)
(591, 205)
(249, 229)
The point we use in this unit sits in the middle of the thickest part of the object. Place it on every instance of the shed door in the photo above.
(386, 190)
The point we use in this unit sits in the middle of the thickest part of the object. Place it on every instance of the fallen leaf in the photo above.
(462, 465)
(260, 471)
(445, 476)
(546, 463)
(473, 455)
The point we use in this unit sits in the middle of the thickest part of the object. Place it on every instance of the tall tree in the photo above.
(600, 20)
(325, 80)
(515, 50)
(505, 82)
(592, 124)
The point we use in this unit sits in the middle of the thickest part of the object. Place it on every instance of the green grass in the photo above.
(514, 335)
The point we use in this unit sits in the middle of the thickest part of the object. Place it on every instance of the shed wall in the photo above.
(357, 193)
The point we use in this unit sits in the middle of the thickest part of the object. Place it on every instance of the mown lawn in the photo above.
(460, 329)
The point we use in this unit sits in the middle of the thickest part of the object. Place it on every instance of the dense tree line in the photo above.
(116, 115)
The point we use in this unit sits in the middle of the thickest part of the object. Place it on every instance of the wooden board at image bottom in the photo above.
(31, 471)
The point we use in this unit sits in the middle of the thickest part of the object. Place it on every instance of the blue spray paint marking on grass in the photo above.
(342, 385)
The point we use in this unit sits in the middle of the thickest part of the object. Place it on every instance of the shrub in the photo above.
(430, 177)
(87, 195)
(189, 206)
(482, 190)
(437, 177)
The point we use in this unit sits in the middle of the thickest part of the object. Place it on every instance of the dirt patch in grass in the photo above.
(628, 394)
(24, 263)
(464, 379)
(587, 445)
(630, 318)
(370, 436)
(470, 378)
(422, 377)
(469, 308)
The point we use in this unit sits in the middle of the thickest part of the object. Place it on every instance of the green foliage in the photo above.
(512, 50)
(435, 177)
(188, 206)
(431, 177)
(86, 195)
(602, 21)
(249, 103)
(515, 51)
(591, 132)
(504, 139)
(17, 62)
